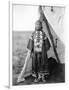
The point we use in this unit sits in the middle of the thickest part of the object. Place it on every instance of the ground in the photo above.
(57, 76)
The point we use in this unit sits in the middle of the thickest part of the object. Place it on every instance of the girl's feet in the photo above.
(36, 80)
(43, 78)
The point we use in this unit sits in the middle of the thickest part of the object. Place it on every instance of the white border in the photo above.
(27, 2)
(40, 2)
(10, 32)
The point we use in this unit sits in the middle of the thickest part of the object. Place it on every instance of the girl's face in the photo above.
(38, 26)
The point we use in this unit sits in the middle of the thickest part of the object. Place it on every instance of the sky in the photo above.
(24, 17)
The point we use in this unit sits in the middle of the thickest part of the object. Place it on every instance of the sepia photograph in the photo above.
(38, 46)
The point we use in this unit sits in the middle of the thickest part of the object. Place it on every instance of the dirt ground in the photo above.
(57, 76)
